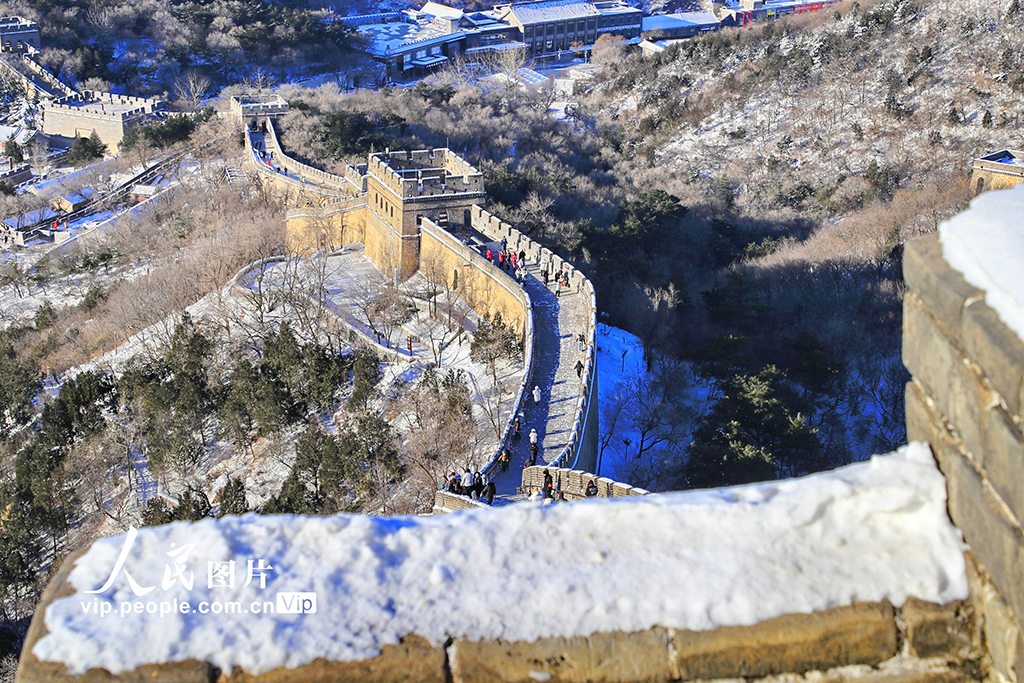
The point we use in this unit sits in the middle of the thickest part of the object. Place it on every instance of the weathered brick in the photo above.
(940, 630)
(411, 661)
(941, 675)
(976, 511)
(955, 385)
(32, 670)
(612, 657)
(921, 423)
(1004, 461)
(862, 633)
(997, 349)
(942, 289)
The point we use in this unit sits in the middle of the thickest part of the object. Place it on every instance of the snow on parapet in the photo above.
(872, 531)
(986, 245)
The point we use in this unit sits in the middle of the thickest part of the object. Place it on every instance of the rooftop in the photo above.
(1009, 157)
(679, 20)
(394, 35)
(543, 11)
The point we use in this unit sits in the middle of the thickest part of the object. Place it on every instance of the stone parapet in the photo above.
(445, 502)
(573, 483)
(862, 633)
(967, 400)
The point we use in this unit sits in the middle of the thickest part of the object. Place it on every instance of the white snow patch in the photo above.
(697, 560)
(986, 245)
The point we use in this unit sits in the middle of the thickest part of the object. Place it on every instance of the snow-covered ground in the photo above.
(620, 355)
(346, 278)
(986, 244)
(872, 531)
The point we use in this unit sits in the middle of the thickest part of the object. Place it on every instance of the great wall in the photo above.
(966, 400)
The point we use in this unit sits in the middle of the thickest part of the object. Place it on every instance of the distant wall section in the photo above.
(581, 451)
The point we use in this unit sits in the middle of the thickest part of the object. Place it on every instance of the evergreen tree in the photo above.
(366, 375)
(157, 512)
(19, 384)
(14, 151)
(193, 505)
(754, 432)
(235, 413)
(232, 498)
(84, 150)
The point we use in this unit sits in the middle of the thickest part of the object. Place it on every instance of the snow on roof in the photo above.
(1006, 156)
(985, 244)
(553, 10)
(83, 195)
(394, 36)
(436, 9)
(679, 20)
(874, 531)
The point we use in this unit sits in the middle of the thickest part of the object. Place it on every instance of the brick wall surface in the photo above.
(574, 483)
(863, 633)
(966, 400)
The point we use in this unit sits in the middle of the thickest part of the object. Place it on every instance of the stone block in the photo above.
(862, 633)
(943, 290)
(413, 660)
(1004, 461)
(934, 630)
(33, 670)
(919, 674)
(979, 514)
(920, 423)
(941, 368)
(612, 657)
(997, 349)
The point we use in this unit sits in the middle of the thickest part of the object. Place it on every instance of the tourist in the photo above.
(489, 491)
(536, 394)
(490, 255)
(579, 369)
(591, 489)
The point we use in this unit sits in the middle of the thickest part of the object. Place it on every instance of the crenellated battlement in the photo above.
(104, 105)
(412, 174)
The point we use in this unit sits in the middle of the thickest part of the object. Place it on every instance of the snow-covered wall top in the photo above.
(986, 245)
(872, 531)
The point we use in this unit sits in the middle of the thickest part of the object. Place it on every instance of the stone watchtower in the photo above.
(402, 187)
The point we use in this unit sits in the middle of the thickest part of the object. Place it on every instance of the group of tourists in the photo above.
(509, 261)
(549, 491)
(472, 484)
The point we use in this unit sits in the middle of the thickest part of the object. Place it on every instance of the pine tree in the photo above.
(232, 498)
(754, 432)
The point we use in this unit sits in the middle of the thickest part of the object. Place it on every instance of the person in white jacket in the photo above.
(536, 394)
(533, 437)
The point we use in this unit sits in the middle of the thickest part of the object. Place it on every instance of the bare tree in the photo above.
(191, 88)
